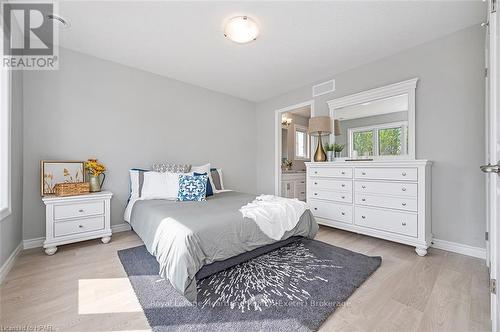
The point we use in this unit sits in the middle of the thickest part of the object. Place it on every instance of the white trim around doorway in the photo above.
(277, 140)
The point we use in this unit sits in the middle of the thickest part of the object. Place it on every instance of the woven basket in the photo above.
(72, 189)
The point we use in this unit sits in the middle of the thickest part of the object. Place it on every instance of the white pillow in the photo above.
(155, 186)
(201, 169)
(173, 184)
(159, 185)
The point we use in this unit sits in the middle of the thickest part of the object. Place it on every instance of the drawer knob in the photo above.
(315, 182)
(302, 182)
(343, 213)
(363, 217)
(403, 223)
(343, 197)
(81, 210)
(363, 199)
(302, 192)
(364, 187)
(343, 185)
(80, 226)
(404, 204)
(315, 194)
(316, 209)
(403, 189)
(343, 172)
(363, 173)
(315, 172)
(403, 174)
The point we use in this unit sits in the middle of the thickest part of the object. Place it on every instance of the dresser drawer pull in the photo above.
(404, 204)
(403, 223)
(403, 189)
(302, 182)
(315, 183)
(343, 213)
(364, 187)
(315, 172)
(315, 194)
(81, 210)
(363, 217)
(363, 199)
(363, 173)
(80, 226)
(343, 185)
(403, 174)
(343, 197)
(316, 209)
(302, 192)
(343, 172)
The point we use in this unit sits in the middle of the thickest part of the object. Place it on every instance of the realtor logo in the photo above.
(28, 36)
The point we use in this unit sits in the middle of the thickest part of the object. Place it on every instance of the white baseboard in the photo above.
(459, 248)
(123, 227)
(33, 243)
(5, 268)
(38, 241)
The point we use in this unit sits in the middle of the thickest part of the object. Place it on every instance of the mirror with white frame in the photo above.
(376, 124)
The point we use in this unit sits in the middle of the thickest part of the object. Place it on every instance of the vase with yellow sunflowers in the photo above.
(95, 169)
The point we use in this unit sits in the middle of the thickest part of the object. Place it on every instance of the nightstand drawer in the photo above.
(78, 210)
(78, 226)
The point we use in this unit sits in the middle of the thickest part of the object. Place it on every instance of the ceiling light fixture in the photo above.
(241, 29)
(59, 19)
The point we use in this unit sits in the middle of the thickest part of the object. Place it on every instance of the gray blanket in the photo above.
(185, 236)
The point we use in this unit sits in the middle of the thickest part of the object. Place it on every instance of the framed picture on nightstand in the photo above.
(53, 172)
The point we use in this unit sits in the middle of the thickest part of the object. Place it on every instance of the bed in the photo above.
(186, 236)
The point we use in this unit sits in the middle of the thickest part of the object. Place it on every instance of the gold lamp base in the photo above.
(320, 154)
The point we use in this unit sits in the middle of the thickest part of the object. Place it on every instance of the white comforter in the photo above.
(274, 215)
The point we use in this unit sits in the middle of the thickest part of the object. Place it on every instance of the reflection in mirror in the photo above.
(284, 144)
(375, 128)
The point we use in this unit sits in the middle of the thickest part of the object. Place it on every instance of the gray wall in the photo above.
(129, 118)
(11, 226)
(449, 121)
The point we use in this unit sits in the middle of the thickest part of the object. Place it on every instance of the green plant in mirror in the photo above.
(338, 147)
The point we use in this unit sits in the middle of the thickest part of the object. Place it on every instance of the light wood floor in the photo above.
(84, 288)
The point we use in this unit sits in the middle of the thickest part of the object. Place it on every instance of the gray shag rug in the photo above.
(291, 288)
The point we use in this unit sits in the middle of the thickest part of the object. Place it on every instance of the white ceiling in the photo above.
(299, 42)
(302, 111)
(377, 107)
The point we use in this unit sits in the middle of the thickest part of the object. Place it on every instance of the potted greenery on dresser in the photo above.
(329, 151)
(95, 169)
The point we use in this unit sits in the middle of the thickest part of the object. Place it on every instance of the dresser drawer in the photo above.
(70, 227)
(338, 196)
(331, 184)
(389, 188)
(78, 210)
(401, 203)
(408, 173)
(333, 211)
(335, 172)
(391, 221)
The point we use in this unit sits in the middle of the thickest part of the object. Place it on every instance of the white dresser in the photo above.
(293, 185)
(76, 218)
(385, 199)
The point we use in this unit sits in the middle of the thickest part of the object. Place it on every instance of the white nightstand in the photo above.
(76, 218)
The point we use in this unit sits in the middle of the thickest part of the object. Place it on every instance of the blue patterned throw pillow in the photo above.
(192, 188)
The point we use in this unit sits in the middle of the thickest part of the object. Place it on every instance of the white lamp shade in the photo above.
(320, 124)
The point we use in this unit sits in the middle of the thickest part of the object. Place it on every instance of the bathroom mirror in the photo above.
(378, 123)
